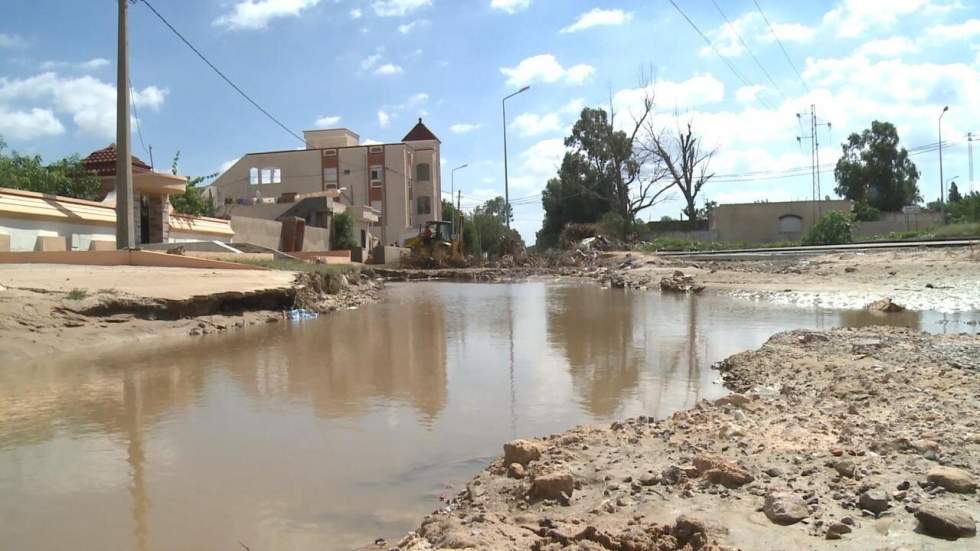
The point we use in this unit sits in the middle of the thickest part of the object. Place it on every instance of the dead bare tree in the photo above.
(684, 159)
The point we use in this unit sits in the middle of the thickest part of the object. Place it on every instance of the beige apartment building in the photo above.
(400, 182)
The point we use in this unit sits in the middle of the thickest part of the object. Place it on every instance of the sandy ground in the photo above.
(53, 309)
(847, 439)
(165, 283)
(945, 280)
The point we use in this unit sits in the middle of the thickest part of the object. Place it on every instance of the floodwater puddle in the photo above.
(329, 433)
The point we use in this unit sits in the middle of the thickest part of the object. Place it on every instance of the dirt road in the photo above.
(48, 309)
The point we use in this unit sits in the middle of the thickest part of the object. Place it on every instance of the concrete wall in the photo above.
(267, 233)
(760, 222)
(897, 222)
(23, 233)
(300, 172)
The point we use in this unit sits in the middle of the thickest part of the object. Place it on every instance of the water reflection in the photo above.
(330, 433)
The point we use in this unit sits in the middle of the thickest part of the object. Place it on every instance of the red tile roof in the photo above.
(103, 162)
(419, 133)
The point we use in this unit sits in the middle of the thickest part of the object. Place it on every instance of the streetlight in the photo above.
(503, 104)
(942, 183)
(452, 190)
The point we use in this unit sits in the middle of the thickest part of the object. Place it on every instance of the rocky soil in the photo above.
(846, 439)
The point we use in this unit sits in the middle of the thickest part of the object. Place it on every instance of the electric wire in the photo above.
(781, 47)
(221, 74)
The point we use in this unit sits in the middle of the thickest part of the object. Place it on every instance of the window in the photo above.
(376, 205)
(423, 205)
(253, 176)
(790, 223)
(330, 177)
(268, 175)
(376, 149)
(423, 172)
(329, 152)
(377, 175)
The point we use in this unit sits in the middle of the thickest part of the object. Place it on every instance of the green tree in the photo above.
(571, 198)
(954, 193)
(343, 233)
(875, 171)
(490, 228)
(192, 201)
(967, 209)
(67, 177)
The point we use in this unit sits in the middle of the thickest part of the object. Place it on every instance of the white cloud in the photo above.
(888, 47)
(327, 122)
(961, 31)
(538, 164)
(227, 164)
(748, 94)
(256, 14)
(416, 99)
(370, 61)
(90, 65)
(398, 8)
(545, 68)
(356, 13)
(29, 125)
(697, 91)
(90, 102)
(510, 6)
(574, 107)
(531, 124)
(409, 27)
(370, 141)
(597, 17)
(383, 118)
(752, 28)
(12, 41)
(853, 18)
(464, 128)
(388, 69)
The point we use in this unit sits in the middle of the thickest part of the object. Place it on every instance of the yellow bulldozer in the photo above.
(436, 244)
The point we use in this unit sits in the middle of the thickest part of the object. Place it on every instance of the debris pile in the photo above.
(680, 283)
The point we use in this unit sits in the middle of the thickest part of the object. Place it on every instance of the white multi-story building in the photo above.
(400, 181)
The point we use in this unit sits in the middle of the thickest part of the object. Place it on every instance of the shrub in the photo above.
(343, 233)
(967, 209)
(77, 294)
(834, 228)
(864, 212)
(571, 234)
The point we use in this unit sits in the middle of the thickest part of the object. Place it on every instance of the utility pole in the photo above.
(814, 139)
(942, 183)
(125, 234)
(969, 143)
(503, 104)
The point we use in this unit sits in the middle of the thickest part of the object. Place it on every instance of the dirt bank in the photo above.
(48, 309)
(946, 280)
(846, 439)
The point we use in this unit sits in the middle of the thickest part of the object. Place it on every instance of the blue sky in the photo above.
(380, 64)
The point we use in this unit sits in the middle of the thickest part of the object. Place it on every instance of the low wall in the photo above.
(897, 222)
(694, 235)
(23, 233)
(120, 258)
(267, 233)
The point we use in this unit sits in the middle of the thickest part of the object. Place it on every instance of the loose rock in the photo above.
(785, 508)
(953, 479)
(521, 452)
(945, 523)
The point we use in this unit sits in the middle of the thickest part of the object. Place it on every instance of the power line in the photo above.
(781, 47)
(136, 115)
(748, 49)
(727, 61)
(221, 74)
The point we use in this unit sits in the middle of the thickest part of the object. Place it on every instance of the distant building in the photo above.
(398, 184)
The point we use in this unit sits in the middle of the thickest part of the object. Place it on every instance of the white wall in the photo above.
(24, 233)
(182, 237)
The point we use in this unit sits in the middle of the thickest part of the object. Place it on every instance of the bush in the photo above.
(834, 228)
(343, 233)
(611, 225)
(967, 209)
(864, 212)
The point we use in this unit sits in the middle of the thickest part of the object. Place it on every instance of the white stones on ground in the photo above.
(785, 508)
(953, 479)
(516, 470)
(945, 523)
(521, 452)
(556, 485)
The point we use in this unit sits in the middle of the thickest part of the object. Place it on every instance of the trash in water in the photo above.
(300, 314)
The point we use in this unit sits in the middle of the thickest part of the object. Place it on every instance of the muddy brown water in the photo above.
(327, 434)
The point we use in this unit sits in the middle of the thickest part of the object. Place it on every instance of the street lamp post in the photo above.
(503, 104)
(942, 182)
(452, 192)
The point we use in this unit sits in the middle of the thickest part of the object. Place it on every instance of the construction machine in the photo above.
(436, 244)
